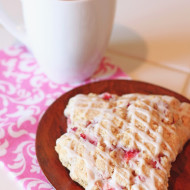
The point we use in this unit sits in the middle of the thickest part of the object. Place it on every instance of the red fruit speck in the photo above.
(83, 135)
(107, 96)
(74, 129)
(128, 105)
(88, 123)
(160, 156)
(142, 178)
(93, 142)
(130, 154)
(154, 164)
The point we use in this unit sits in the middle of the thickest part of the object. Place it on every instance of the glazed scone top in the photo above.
(126, 142)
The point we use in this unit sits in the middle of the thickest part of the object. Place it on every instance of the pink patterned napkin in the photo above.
(25, 93)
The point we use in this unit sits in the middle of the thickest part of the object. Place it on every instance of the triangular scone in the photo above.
(123, 142)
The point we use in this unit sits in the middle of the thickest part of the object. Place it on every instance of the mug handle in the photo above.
(11, 26)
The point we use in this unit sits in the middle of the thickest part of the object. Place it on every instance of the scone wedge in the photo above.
(123, 142)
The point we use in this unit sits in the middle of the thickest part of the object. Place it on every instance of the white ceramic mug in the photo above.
(67, 37)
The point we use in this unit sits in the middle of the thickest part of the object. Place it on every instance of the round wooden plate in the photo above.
(53, 125)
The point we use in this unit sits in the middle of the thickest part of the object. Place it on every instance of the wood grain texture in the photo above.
(53, 125)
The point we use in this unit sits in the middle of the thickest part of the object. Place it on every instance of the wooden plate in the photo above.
(53, 125)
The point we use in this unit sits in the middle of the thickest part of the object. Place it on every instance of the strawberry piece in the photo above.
(154, 164)
(128, 105)
(107, 96)
(88, 123)
(142, 178)
(160, 156)
(93, 142)
(83, 136)
(74, 129)
(90, 140)
(128, 155)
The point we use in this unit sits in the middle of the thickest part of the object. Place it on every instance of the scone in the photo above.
(123, 142)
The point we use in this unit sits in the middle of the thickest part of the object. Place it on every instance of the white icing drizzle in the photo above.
(107, 115)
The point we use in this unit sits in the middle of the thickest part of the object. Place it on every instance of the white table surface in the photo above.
(150, 42)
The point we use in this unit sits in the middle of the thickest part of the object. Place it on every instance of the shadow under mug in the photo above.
(68, 38)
